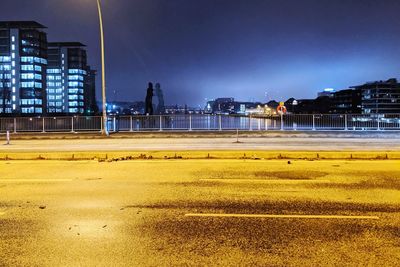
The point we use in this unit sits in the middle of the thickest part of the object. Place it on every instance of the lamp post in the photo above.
(104, 130)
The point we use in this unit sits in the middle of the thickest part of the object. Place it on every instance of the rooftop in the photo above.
(21, 25)
(65, 44)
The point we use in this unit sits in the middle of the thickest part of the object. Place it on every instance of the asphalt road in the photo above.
(200, 213)
(389, 143)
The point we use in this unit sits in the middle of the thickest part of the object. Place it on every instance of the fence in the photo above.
(288, 122)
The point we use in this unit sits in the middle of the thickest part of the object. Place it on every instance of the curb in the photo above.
(181, 155)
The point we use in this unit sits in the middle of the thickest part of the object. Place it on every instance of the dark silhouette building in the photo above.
(89, 93)
(346, 101)
(380, 96)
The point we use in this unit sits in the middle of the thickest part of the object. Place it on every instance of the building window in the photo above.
(53, 71)
(5, 59)
(27, 67)
(27, 76)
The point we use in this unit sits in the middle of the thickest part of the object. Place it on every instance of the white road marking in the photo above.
(34, 180)
(289, 216)
(271, 181)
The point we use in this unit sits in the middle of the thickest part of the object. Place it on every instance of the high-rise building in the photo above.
(67, 72)
(90, 93)
(23, 60)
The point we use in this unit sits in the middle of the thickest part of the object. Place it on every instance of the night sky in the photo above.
(247, 49)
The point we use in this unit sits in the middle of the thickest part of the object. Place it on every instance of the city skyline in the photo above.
(251, 51)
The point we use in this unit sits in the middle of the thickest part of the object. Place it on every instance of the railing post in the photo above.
(72, 124)
(15, 125)
(190, 122)
(161, 123)
(378, 122)
(266, 124)
(282, 122)
(259, 124)
(345, 122)
(115, 124)
(313, 122)
(101, 124)
(43, 129)
(250, 125)
(130, 124)
(220, 122)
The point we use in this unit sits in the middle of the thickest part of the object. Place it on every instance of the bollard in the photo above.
(130, 124)
(8, 138)
(313, 122)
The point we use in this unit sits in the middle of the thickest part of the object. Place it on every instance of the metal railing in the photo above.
(189, 122)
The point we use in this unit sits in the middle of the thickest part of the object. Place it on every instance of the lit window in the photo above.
(27, 76)
(5, 59)
(13, 47)
(27, 59)
(13, 38)
(26, 67)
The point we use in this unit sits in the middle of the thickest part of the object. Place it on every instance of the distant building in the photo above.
(320, 105)
(326, 92)
(228, 105)
(223, 105)
(248, 107)
(67, 78)
(380, 96)
(125, 108)
(346, 101)
(23, 60)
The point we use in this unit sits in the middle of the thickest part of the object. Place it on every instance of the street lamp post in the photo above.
(103, 71)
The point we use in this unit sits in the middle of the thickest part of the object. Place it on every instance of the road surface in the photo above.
(200, 212)
(180, 144)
